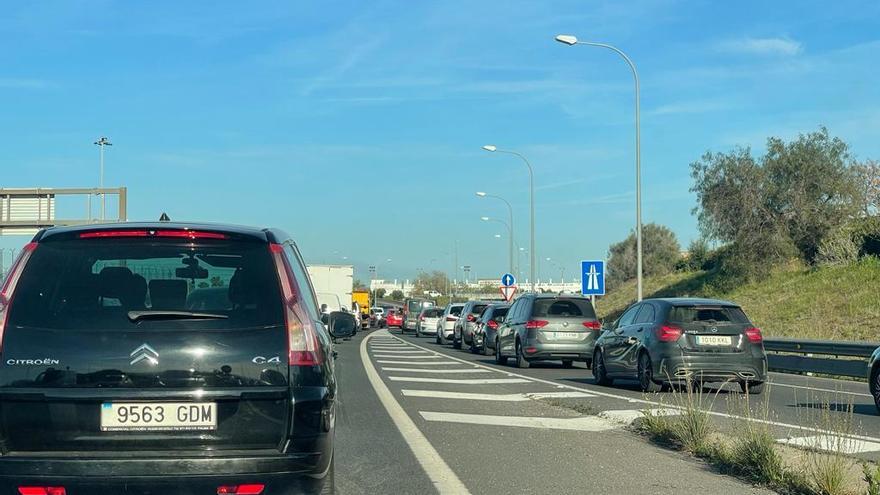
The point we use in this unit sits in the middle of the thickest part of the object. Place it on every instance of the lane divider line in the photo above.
(454, 381)
(428, 370)
(440, 474)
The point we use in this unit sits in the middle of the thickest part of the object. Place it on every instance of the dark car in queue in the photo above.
(487, 327)
(679, 340)
(548, 327)
(123, 372)
(463, 329)
(874, 377)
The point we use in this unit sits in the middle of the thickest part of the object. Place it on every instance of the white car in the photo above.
(446, 324)
(429, 319)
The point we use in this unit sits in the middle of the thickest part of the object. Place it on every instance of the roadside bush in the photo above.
(872, 478)
(856, 239)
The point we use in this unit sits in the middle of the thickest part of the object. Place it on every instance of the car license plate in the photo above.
(713, 340)
(158, 416)
(563, 335)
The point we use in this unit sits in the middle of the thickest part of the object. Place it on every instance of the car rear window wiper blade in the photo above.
(173, 315)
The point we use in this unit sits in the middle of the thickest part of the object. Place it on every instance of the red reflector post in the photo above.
(248, 489)
(754, 335)
(42, 490)
(669, 333)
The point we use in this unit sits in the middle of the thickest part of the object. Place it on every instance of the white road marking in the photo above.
(814, 389)
(832, 443)
(423, 370)
(414, 351)
(418, 363)
(662, 405)
(439, 394)
(558, 395)
(440, 474)
(462, 381)
(396, 356)
(627, 416)
(582, 423)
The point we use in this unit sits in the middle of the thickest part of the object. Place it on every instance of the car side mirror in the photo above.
(341, 324)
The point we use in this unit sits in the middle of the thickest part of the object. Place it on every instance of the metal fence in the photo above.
(841, 358)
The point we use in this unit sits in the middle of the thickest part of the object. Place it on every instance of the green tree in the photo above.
(358, 285)
(435, 281)
(380, 293)
(868, 174)
(397, 295)
(660, 251)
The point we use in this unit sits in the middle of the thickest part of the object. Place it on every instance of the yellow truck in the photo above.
(362, 299)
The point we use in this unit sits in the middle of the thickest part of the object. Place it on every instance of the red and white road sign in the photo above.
(507, 292)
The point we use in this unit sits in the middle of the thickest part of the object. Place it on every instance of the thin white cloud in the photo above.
(690, 107)
(762, 46)
(24, 83)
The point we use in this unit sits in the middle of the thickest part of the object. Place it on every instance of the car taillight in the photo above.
(754, 335)
(182, 234)
(536, 323)
(248, 489)
(669, 333)
(42, 490)
(593, 325)
(8, 288)
(492, 324)
(302, 337)
(471, 318)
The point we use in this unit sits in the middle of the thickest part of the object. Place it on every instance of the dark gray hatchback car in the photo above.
(548, 327)
(661, 341)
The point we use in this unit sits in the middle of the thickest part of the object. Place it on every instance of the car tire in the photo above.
(437, 338)
(485, 350)
(324, 486)
(567, 363)
(418, 332)
(456, 343)
(646, 375)
(874, 386)
(600, 373)
(499, 359)
(756, 388)
(521, 361)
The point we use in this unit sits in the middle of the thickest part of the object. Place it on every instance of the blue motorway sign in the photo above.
(508, 280)
(593, 278)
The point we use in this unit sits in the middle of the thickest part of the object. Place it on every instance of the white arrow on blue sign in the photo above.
(593, 278)
(508, 280)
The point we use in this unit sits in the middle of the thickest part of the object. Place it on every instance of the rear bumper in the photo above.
(167, 474)
(581, 351)
(714, 367)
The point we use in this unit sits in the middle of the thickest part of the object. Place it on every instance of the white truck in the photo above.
(333, 285)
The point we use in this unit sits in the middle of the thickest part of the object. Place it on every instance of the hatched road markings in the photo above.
(440, 394)
(395, 356)
(418, 363)
(832, 443)
(423, 370)
(581, 423)
(414, 351)
(455, 381)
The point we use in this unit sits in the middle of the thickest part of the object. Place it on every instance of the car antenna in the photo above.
(164, 217)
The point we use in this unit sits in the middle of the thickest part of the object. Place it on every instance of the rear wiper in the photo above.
(173, 315)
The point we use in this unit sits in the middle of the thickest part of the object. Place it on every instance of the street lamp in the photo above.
(561, 270)
(572, 40)
(482, 194)
(494, 149)
(509, 234)
(101, 142)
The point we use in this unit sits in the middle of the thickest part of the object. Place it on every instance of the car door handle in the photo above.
(631, 340)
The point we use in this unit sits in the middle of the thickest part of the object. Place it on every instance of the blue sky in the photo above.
(357, 126)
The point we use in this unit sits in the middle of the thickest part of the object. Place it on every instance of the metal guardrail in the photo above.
(842, 358)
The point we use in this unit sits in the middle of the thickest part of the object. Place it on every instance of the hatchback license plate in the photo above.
(563, 335)
(713, 340)
(158, 416)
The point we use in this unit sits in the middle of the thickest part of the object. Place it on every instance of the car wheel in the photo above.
(600, 373)
(499, 359)
(567, 363)
(755, 388)
(875, 387)
(485, 350)
(520, 357)
(646, 375)
(324, 486)
(456, 343)
(437, 338)
(418, 332)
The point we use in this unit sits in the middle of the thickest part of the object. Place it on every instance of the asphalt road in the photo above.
(418, 418)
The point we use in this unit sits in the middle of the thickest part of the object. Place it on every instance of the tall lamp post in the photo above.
(494, 149)
(482, 194)
(510, 238)
(572, 40)
(101, 143)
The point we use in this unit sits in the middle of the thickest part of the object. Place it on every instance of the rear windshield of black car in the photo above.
(456, 310)
(707, 314)
(94, 283)
(563, 308)
(478, 308)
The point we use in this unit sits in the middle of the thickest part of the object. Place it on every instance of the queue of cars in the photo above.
(655, 342)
